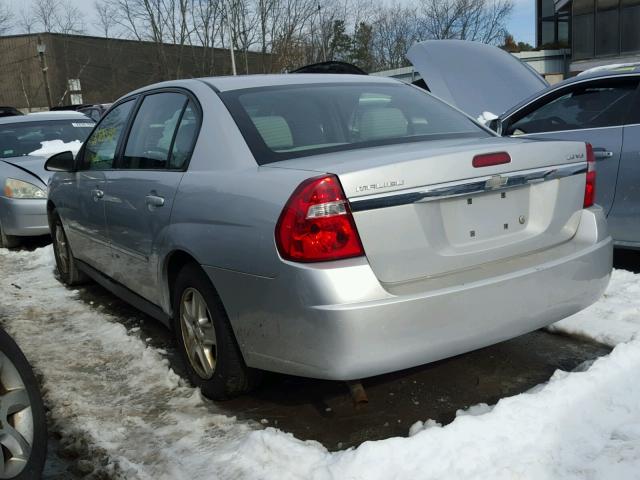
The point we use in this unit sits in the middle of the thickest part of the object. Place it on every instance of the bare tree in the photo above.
(54, 16)
(476, 20)
(6, 18)
(45, 13)
(106, 15)
(394, 31)
(69, 19)
(207, 21)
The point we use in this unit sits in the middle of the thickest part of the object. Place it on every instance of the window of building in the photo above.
(629, 22)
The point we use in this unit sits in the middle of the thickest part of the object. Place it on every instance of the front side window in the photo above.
(43, 137)
(280, 123)
(100, 149)
(579, 108)
(151, 137)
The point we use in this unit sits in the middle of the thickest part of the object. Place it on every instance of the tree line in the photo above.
(372, 34)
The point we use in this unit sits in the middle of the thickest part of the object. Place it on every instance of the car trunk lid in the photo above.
(427, 211)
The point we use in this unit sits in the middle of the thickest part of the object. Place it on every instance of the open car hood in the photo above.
(473, 76)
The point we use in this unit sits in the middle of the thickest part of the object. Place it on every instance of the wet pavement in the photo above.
(324, 411)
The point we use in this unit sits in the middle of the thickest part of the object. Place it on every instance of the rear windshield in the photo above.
(280, 123)
(43, 137)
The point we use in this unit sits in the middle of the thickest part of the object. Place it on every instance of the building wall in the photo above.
(20, 75)
(106, 68)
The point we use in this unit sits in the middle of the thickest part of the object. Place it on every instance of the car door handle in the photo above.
(97, 194)
(154, 200)
(601, 153)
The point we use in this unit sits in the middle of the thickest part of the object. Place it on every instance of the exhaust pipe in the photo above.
(358, 393)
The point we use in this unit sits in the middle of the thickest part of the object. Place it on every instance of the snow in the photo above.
(51, 147)
(615, 318)
(115, 399)
(485, 118)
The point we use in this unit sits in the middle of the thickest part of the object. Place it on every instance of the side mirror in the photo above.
(495, 125)
(61, 162)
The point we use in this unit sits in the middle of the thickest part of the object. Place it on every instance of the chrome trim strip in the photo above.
(490, 183)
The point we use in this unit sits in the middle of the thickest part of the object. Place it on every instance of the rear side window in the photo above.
(280, 123)
(100, 149)
(581, 107)
(151, 137)
(185, 137)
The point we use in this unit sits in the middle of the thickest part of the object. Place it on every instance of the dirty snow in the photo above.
(118, 402)
(51, 147)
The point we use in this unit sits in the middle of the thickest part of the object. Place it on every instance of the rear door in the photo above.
(624, 219)
(591, 111)
(86, 226)
(142, 187)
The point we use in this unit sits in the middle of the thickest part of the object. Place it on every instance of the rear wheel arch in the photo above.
(175, 261)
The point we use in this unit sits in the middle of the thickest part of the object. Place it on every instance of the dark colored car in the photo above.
(9, 112)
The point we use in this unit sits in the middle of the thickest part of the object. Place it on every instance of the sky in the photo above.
(521, 24)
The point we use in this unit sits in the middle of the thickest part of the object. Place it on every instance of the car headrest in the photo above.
(275, 131)
(382, 122)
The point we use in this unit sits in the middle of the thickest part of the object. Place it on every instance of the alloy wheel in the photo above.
(62, 250)
(16, 420)
(198, 333)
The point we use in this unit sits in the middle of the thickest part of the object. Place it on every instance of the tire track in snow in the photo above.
(111, 396)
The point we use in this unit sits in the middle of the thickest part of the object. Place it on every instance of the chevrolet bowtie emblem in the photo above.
(496, 181)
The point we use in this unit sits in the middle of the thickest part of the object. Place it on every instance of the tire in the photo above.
(217, 368)
(23, 429)
(65, 261)
(8, 241)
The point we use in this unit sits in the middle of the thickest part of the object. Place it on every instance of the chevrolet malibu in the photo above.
(333, 226)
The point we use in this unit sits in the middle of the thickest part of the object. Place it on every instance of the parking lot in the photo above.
(324, 411)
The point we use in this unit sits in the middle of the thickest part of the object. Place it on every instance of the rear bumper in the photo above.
(336, 321)
(23, 218)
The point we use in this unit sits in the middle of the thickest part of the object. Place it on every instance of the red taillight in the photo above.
(490, 159)
(590, 185)
(316, 223)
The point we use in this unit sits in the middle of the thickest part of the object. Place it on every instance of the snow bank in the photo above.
(51, 147)
(111, 392)
(612, 320)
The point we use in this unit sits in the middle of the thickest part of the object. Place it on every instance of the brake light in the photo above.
(490, 159)
(590, 184)
(316, 224)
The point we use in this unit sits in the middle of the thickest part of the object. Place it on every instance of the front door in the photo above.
(86, 227)
(592, 111)
(624, 220)
(143, 185)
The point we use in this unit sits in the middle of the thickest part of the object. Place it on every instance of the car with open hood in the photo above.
(601, 106)
(26, 141)
(328, 226)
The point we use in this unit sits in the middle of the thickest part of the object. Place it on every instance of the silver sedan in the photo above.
(26, 141)
(329, 226)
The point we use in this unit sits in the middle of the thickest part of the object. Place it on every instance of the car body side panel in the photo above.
(608, 139)
(134, 225)
(624, 219)
(84, 221)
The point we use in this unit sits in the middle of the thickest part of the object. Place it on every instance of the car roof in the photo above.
(252, 81)
(238, 82)
(588, 76)
(44, 116)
